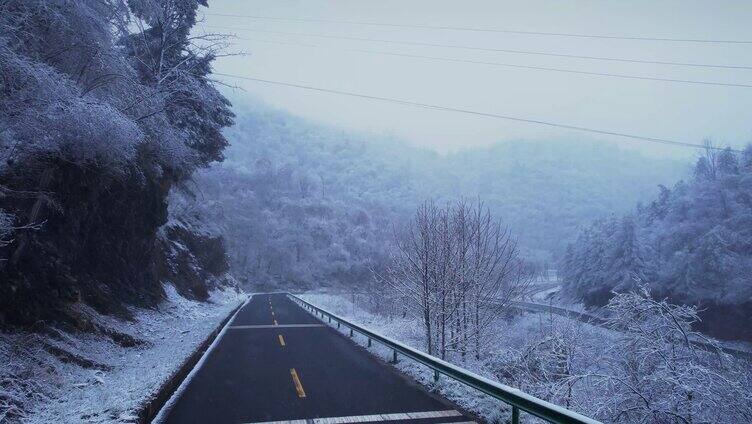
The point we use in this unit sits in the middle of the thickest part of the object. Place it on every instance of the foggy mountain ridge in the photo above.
(277, 162)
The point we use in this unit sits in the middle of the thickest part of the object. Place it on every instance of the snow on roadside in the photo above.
(53, 391)
(407, 331)
(510, 337)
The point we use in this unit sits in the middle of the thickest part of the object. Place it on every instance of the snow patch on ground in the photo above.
(122, 378)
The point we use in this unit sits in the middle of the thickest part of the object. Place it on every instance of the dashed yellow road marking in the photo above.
(298, 385)
(281, 340)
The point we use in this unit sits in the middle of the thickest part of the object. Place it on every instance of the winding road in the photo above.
(277, 363)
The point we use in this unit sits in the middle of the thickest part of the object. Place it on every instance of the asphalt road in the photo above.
(276, 362)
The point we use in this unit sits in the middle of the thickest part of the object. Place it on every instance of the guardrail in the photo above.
(517, 399)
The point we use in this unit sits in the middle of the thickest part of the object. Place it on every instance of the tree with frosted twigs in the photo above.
(654, 373)
(411, 270)
(456, 268)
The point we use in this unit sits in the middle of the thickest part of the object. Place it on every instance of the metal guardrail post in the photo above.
(394, 356)
(369, 342)
(515, 415)
(435, 375)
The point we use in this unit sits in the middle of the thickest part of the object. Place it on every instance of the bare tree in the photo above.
(456, 268)
(499, 274)
(410, 271)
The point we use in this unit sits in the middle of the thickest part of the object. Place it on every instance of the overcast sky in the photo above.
(677, 111)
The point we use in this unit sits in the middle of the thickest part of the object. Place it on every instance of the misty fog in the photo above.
(337, 212)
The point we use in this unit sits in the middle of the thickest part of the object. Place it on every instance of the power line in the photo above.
(498, 30)
(476, 113)
(284, 43)
(537, 68)
(489, 49)
(571, 71)
(616, 59)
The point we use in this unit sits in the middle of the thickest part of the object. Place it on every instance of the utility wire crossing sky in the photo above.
(485, 114)
(452, 46)
(511, 65)
(675, 72)
(555, 34)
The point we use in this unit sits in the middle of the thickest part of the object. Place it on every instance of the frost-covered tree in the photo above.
(175, 65)
(105, 106)
(280, 236)
(628, 263)
(645, 366)
(654, 373)
(692, 244)
(455, 268)
(554, 363)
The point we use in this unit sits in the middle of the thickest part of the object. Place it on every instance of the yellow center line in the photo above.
(298, 385)
(281, 340)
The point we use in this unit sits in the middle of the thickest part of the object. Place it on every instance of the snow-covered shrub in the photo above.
(24, 375)
(653, 372)
(61, 124)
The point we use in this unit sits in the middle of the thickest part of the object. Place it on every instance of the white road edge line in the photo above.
(252, 327)
(374, 418)
(162, 415)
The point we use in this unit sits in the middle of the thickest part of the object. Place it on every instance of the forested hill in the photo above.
(692, 244)
(341, 192)
(547, 190)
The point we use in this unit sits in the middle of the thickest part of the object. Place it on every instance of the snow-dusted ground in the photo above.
(51, 390)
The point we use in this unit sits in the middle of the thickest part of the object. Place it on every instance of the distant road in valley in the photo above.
(600, 321)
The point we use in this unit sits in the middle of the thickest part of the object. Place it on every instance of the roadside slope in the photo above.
(100, 378)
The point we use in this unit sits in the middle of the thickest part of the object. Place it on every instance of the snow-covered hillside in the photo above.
(107, 375)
